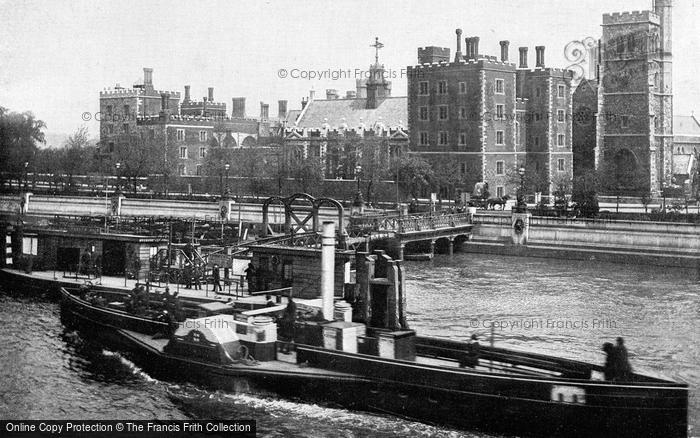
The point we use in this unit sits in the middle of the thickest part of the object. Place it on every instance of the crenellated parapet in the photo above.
(630, 17)
(377, 131)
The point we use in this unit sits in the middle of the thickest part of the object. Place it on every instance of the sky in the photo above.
(56, 56)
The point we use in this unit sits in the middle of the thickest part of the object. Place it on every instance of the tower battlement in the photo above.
(630, 17)
(134, 92)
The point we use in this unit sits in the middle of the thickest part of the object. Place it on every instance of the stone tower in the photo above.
(635, 122)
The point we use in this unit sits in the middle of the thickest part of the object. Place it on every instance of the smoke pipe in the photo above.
(327, 268)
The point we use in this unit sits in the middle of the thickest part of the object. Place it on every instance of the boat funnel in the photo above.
(327, 268)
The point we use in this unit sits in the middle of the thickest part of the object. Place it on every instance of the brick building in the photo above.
(491, 116)
(192, 127)
(332, 129)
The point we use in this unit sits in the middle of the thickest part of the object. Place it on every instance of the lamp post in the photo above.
(26, 175)
(522, 205)
(358, 205)
(118, 165)
(227, 192)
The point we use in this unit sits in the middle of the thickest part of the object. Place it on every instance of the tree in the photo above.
(252, 164)
(562, 187)
(414, 174)
(19, 135)
(374, 162)
(585, 194)
(446, 176)
(138, 157)
(215, 163)
(73, 155)
(307, 172)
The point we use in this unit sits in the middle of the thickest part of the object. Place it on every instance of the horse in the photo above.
(493, 202)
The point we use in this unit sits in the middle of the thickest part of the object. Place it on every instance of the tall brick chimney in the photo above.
(238, 107)
(458, 55)
(504, 50)
(164, 97)
(472, 47)
(211, 94)
(187, 93)
(148, 78)
(523, 57)
(539, 50)
(282, 109)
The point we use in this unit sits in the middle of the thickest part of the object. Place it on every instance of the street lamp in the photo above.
(227, 192)
(26, 177)
(358, 205)
(522, 206)
(118, 165)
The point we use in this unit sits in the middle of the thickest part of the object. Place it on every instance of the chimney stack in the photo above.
(523, 57)
(539, 51)
(504, 50)
(331, 94)
(187, 93)
(148, 77)
(327, 269)
(164, 102)
(282, 109)
(350, 94)
(304, 101)
(475, 47)
(312, 94)
(211, 94)
(458, 55)
(264, 111)
(238, 107)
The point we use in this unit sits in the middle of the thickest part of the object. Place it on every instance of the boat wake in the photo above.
(130, 366)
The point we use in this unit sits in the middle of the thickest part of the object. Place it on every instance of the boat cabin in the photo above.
(210, 339)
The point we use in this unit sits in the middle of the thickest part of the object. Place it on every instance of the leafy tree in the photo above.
(137, 157)
(585, 194)
(252, 164)
(562, 187)
(215, 163)
(19, 135)
(73, 155)
(446, 176)
(414, 174)
(308, 173)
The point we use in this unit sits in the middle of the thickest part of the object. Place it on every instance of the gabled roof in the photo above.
(682, 164)
(352, 113)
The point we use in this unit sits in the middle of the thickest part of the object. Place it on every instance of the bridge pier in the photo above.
(432, 248)
(451, 247)
(402, 246)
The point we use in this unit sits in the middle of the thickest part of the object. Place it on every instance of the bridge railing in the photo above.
(422, 223)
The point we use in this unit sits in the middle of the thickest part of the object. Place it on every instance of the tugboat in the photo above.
(383, 366)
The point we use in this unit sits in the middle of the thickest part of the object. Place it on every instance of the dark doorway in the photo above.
(378, 305)
(67, 259)
(113, 255)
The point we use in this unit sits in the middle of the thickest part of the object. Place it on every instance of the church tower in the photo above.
(635, 121)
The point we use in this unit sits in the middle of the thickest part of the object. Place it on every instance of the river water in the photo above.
(561, 307)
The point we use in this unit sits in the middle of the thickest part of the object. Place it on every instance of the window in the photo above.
(538, 91)
(560, 164)
(181, 169)
(126, 111)
(423, 113)
(560, 139)
(199, 170)
(560, 115)
(109, 110)
(517, 133)
(462, 88)
(537, 116)
(30, 245)
(499, 137)
(110, 147)
(423, 88)
(499, 167)
(202, 135)
(183, 151)
(442, 87)
(499, 112)
(462, 138)
(180, 135)
(423, 138)
(625, 121)
(463, 112)
(463, 168)
(442, 138)
(499, 86)
(537, 141)
(500, 192)
(560, 91)
(152, 133)
(125, 128)
(110, 129)
(202, 152)
(443, 112)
